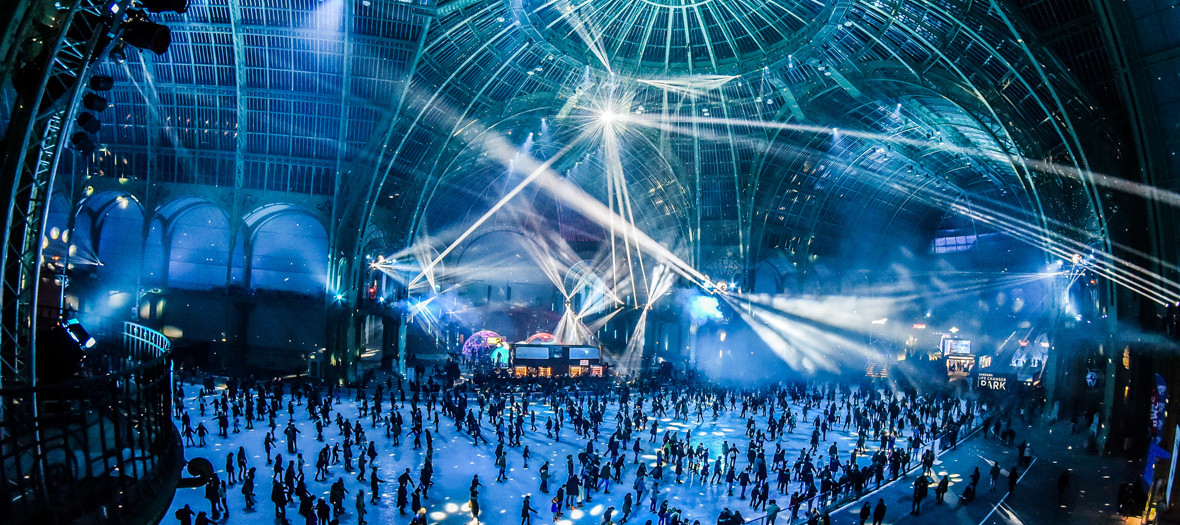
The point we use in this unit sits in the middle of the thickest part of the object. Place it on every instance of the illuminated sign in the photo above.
(584, 362)
(992, 381)
(956, 346)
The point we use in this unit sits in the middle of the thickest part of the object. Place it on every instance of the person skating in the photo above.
(772, 512)
(556, 505)
(360, 507)
(475, 485)
(544, 475)
(323, 512)
(474, 504)
(420, 518)
(416, 500)
(943, 486)
(865, 511)
(374, 488)
(278, 496)
(292, 433)
(403, 498)
(526, 512)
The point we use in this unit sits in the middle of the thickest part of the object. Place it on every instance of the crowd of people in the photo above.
(617, 426)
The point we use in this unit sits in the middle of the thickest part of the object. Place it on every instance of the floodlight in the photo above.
(102, 82)
(82, 142)
(148, 35)
(94, 102)
(160, 6)
(88, 122)
(79, 334)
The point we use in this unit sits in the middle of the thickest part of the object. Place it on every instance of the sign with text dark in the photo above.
(992, 381)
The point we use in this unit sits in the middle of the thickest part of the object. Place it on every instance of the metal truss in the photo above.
(36, 133)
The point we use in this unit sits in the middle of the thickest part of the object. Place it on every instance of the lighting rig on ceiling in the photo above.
(131, 26)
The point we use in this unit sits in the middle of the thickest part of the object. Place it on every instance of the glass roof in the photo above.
(764, 123)
(669, 36)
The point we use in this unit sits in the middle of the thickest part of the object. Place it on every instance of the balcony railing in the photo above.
(100, 447)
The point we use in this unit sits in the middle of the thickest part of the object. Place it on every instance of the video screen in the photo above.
(583, 352)
(532, 352)
(956, 346)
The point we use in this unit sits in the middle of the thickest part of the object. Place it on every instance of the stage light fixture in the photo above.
(94, 102)
(79, 334)
(145, 34)
(102, 82)
(88, 122)
(161, 6)
(81, 141)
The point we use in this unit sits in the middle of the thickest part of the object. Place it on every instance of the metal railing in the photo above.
(107, 444)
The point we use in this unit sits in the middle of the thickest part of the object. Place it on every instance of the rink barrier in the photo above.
(108, 450)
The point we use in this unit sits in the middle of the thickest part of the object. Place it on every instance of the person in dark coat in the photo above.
(323, 512)
(879, 512)
(865, 512)
(921, 485)
(185, 515)
(943, 486)
(279, 497)
(526, 512)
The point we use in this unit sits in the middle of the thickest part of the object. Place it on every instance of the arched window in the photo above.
(290, 251)
(198, 247)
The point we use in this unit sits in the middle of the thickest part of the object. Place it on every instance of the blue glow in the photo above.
(704, 308)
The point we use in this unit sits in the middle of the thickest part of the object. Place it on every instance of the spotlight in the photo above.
(118, 52)
(160, 6)
(79, 334)
(88, 122)
(94, 102)
(82, 142)
(607, 116)
(149, 35)
(102, 82)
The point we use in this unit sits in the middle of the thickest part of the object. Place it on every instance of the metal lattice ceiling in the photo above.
(371, 102)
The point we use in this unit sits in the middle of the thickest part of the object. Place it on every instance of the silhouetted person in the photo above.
(185, 515)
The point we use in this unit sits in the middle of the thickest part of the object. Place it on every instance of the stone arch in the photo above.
(188, 245)
(288, 250)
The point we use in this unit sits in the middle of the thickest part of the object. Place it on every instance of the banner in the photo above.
(1154, 453)
(1159, 404)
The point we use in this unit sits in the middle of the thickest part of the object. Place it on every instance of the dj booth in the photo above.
(548, 360)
